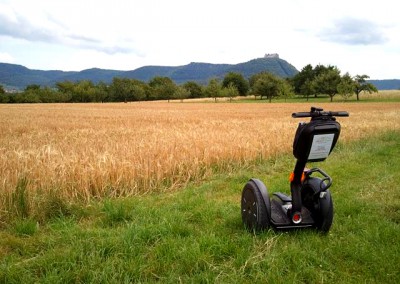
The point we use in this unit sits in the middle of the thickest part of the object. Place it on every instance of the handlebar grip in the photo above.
(340, 113)
(301, 114)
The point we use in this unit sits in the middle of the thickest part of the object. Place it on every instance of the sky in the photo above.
(358, 37)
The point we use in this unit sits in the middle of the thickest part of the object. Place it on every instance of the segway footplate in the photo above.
(280, 219)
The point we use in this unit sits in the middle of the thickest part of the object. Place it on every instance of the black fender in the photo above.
(319, 199)
(264, 193)
(316, 184)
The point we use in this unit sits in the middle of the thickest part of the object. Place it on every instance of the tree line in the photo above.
(310, 81)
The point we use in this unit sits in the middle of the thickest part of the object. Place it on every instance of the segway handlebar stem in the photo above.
(319, 112)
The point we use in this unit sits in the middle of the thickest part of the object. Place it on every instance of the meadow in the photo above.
(195, 234)
(150, 192)
(81, 152)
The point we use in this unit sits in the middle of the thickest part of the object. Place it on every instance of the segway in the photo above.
(310, 203)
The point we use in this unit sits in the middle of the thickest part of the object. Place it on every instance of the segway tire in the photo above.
(256, 206)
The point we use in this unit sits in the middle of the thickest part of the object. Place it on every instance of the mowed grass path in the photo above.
(195, 235)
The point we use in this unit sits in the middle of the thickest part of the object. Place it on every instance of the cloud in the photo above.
(353, 31)
(19, 27)
(51, 31)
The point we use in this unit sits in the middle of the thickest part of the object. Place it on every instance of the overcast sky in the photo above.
(359, 37)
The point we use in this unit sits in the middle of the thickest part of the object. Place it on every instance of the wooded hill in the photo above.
(18, 76)
(393, 84)
(14, 76)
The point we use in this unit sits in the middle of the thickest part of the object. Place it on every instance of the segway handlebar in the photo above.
(319, 112)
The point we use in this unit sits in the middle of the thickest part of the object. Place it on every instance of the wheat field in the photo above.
(86, 151)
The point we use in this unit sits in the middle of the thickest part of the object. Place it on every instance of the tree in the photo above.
(362, 85)
(194, 89)
(236, 80)
(3, 97)
(267, 85)
(286, 90)
(48, 95)
(27, 97)
(304, 82)
(31, 94)
(139, 90)
(119, 89)
(126, 90)
(163, 87)
(327, 82)
(66, 87)
(181, 93)
(148, 93)
(102, 92)
(346, 86)
(308, 88)
(252, 81)
(213, 89)
(320, 69)
(84, 91)
(32, 87)
(305, 76)
(230, 91)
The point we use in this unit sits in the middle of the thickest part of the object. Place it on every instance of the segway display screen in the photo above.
(314, 141)
(321, 146)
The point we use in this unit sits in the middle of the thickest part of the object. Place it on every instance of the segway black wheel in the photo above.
(319, 201)
(256, 206)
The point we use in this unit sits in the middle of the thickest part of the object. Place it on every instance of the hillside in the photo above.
(17, 76)
(14, 76)
(393, 84)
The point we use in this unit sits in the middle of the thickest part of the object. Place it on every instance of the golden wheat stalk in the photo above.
(85, 151)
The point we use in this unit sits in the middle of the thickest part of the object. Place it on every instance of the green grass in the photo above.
(195, 235)
(382, 96)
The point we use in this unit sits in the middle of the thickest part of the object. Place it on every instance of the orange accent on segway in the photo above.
(291, 177)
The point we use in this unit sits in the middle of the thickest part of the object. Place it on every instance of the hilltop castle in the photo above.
(271, 55)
